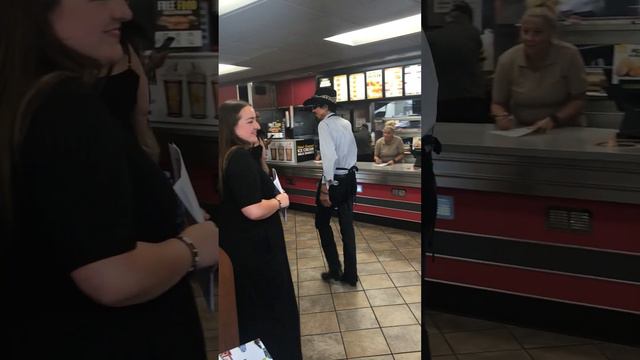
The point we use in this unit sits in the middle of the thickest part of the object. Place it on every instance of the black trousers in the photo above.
(323, 223)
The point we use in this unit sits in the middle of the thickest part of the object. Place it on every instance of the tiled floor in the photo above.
(454, 337)
(379, 319)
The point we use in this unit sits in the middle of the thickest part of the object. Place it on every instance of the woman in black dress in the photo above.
(95, 266)
(251, 234)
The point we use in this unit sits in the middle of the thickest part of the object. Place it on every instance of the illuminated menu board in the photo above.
(374, 84)
(340, 86)
(357, 87)
(393, 81)
(412, 80)
(325, 82)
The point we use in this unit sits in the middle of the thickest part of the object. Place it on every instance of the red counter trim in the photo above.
(560, 287)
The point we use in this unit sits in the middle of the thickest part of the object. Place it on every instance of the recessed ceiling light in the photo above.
(227, 69)
(388, 30)
(225, 6)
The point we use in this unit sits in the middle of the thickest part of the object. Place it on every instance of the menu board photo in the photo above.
(393, 82)
(180, 20)
(325, 82)
(626, 63)
(412, 80)
(357, 87)
(374, 84)
(341, 88)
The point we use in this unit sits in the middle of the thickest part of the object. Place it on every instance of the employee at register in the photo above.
(389, 148)
(541, 82)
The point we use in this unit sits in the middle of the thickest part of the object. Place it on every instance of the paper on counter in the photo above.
(182, 184)
(276, 182)
(517, 132)
(381, 164)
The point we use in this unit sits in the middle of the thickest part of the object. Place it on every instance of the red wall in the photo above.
(227, 92)
(295, 91)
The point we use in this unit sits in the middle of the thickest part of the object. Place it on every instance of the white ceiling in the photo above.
(281, 39)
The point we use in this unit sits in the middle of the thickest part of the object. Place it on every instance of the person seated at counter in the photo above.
(389, 148)
(540, 82)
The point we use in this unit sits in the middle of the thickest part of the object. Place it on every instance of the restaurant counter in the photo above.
(389, 195)
(541, 230)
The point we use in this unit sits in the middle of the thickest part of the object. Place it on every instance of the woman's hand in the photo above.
(377, 160)
(543, 125)
(205, 238)
(391, 162)
(284, 199)
(504, 121)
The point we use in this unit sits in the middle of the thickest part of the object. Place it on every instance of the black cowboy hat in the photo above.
(323, 96)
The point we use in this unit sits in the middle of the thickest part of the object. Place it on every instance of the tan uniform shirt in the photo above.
(387, 152)
(531, 95)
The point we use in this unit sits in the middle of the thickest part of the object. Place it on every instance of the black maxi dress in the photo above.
(265, 297)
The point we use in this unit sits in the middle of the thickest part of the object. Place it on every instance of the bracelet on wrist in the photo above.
(279, 203)
(195, 257)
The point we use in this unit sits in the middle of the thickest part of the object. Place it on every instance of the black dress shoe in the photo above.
(352, 282)
(328, 276)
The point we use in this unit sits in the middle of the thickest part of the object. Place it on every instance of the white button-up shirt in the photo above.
(337, 146)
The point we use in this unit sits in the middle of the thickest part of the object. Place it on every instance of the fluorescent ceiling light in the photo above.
(388, 30)
(225, 6)
(227, 69)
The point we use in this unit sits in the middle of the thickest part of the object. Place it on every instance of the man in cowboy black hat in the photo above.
(337, 189)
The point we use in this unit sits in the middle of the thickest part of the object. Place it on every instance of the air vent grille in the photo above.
(569, 219)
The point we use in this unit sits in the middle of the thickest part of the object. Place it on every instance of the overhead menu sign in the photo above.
(341, 88)
(412, 80)
(179, 19)
(393, 82)
(357, 90)
(374, 84)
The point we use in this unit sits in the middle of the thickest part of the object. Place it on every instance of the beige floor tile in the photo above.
(379, 357)
(479, 341)
(497, 355)
(371, 268)
(379, 281)
(395, 266)
(308, 252)
(316, 303)
(412, 254)
(530, 338)
(403, 338)
(357, 319)
(319, 323)
(340, 287)
(306, 244)
(417, 265)
(438, 345)
(454, 323)
(408, 356)
(619, 352)
(416, 309)
(581, 352)
(388, 255)
(322, 347)
(350, 300)
(361, 343)
(405, 278)
(381, 297)
(406, 243)
(294, 276)
(306, 263)
(313, 287)
(366, 257)
(382, 245)
(360, 248)
(310, 273)
(394, 315)
(411, 294)
(302, 235)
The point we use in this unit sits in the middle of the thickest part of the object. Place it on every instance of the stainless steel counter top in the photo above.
(563, 163)
(397, 174)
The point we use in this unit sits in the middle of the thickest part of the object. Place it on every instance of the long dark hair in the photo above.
(30, 53)
(229, 114)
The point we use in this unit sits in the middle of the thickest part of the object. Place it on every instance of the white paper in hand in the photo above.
(276, 182)
(182, 185)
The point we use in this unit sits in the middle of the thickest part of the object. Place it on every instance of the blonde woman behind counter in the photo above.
(541, 82)
(389, 148)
